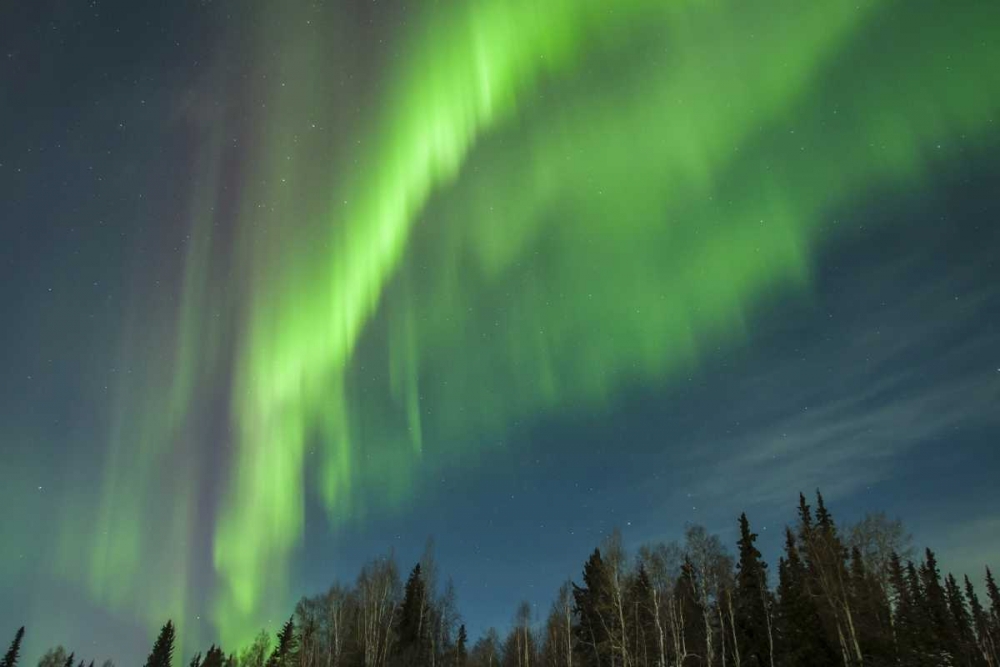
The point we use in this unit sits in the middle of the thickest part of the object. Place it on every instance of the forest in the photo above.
(853, 595)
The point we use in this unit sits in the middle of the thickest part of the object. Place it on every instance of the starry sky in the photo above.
(287, 285)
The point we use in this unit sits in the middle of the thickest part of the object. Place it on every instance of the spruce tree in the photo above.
(961, 622)
(752, 601)
(10, 658)
(686, 594)
(461, 652)
(163, 650)
(284, 651)
(593, 605)
(981, 624)
(69, 660)
(640, 619)
(413, 633)
(994, 595)
(214, 657)
(871, 612)
(195, 661)
(905, 626)
(940, 632)
(802, 639)
(925, 650)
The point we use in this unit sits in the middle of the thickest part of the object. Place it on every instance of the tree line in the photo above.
(842, 598)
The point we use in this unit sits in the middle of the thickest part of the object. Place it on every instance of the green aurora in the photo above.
(533, 205)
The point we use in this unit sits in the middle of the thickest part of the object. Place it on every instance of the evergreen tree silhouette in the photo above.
(686, 593)
(593, 604)
(961, 622)
(994, 595)
(872, 612)
(641, 619)
(10, 658)
(163, 649)
(284, 652)
(940, 633)
(214, 657)
(461, 651)
(752, 601)
(801, 637)
(981, 624)
(413, 633)
(906, 625)
(69, 660)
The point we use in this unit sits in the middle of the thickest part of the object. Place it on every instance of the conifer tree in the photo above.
(994, 595)
(695, 640)
(214, 657)
(593, 608)
(10, 658)
(961, 622)
(801, 637)
(284, 651)
(195, 661)
(940, 632)
(461, 656)
(872, 614)
(752, 602)
(922, 640)
(640, 620)
(905, 626)
(413, 632)
(981, 624)
(163, 650)
(69, 660)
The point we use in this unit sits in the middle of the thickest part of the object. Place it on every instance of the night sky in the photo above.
(285, 285)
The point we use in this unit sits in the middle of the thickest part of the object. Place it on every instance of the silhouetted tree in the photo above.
(54, 657)
(413, 632)
(163, 648)
(284, 651)
(461, 653)
(981, 624)
(593, 608)
(214, 657)
(961, 622)
(938, 629)
(801, 637)
(752, 603)
(10, 658)
(691, 612)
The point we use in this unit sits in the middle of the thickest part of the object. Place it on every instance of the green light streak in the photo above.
(673, 161)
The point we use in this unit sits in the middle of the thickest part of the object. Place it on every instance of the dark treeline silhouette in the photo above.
(853, 597)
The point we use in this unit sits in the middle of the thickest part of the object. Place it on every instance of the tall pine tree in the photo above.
(461, 651)
(283, 654)
(752, 602)
(801, 636)
(961, 622)
(163, 649)
(938, 627)
(694, 637)
(981, 624)
(10, 658)
(593, 607)
(413, 646)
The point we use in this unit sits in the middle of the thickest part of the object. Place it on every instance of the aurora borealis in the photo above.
(275, 271)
